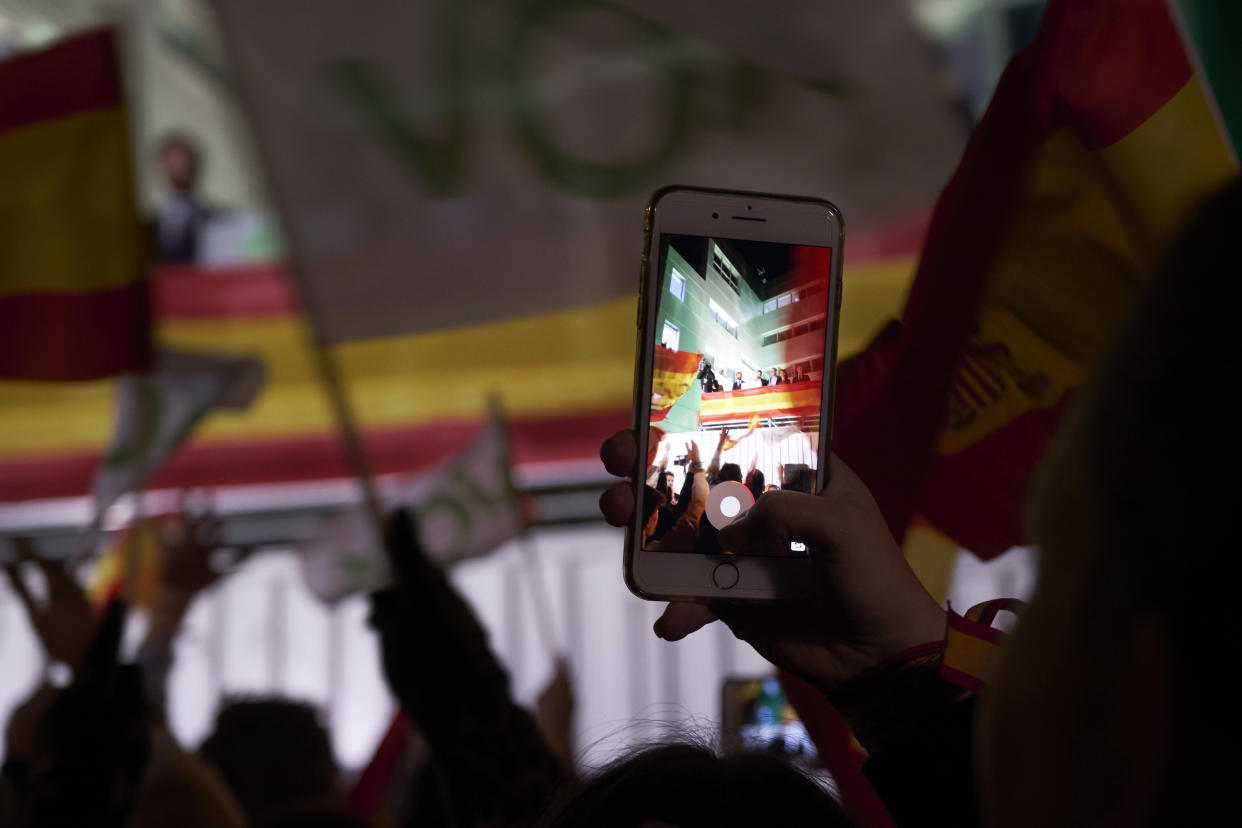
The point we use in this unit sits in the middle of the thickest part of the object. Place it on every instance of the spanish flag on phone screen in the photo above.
(73, 303)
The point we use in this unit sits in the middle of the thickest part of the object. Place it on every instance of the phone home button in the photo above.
(725, 576)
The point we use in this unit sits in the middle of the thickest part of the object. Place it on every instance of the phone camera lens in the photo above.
(747, 206)
(715, 215)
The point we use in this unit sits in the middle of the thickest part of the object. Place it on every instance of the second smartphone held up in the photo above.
(734, 385)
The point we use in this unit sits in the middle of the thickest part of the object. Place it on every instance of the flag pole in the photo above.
(530, 554)
(351, 436)
(325, 362)
(539, 594)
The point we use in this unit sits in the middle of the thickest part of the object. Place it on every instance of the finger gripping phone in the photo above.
(739, 301)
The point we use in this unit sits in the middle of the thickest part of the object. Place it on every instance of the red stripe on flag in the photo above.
(964, 680)
(393, 450)
(75, 75)
(249, 291)
(1108, 65)
(676, 362)
(972, 397)
(366, 798)
(893, 401)
(74, 336)
(900, 236)
(988, 381)
(976, 495)
(833, 742)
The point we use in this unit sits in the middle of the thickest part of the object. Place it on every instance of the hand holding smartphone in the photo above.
(737, 323)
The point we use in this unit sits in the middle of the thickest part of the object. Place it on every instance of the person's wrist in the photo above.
(882, 699)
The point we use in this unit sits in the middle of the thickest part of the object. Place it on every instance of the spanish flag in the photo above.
(73, 303)
(799, 399)
(1099, 142)
(672, 374)
(1098, 145)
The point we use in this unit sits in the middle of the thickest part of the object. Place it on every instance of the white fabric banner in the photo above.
(445, 162)
(464, 509)
(156, 411)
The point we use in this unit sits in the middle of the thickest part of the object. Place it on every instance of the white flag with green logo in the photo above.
(463, 509)
(157, 410)
(439, 163)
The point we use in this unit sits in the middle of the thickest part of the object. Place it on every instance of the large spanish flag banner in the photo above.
(72, 299)
(787, 400)
(1098, 145)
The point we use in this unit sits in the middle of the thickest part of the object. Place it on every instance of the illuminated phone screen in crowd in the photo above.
(758, 717)
(736, 384)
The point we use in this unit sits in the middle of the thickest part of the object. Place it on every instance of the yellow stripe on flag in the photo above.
(68, 227)
(971, 656)
(785, 398)
(1164, 169)
(577, 360)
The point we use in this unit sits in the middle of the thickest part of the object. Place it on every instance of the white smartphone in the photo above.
(737, 330)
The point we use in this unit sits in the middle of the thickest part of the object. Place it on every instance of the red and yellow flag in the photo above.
(73, 303)
(751, 425)
(786, 400)
(1098, 144)
(671, 376)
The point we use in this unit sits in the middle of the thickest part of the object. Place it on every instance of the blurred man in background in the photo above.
(183, 215)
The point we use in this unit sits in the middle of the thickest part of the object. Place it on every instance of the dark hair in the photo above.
(652, 500)
(689, 786)
(754, 482)
(177, 138)
(271, 752)
(799, 477)
(730, 471)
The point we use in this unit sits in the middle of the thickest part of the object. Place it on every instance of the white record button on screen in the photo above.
(726, 502)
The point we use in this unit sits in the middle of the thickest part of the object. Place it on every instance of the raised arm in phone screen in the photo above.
(869, 605)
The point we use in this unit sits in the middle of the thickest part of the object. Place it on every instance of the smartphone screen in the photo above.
(758, 717)
(737, 379)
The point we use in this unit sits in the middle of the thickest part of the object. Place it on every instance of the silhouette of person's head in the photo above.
(180, 161)
(755, 482)
(1111, 704)
(653, 499)
(274, 755)
(730, 471)
(690, 787)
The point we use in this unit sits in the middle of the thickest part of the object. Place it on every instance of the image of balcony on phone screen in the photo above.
(736, 385)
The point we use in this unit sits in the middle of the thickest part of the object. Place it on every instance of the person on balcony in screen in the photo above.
(800, 375)
(785, 376)
(774, 376)
(184, 215)
(707, 378)
(756, 382)
(738, 384)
